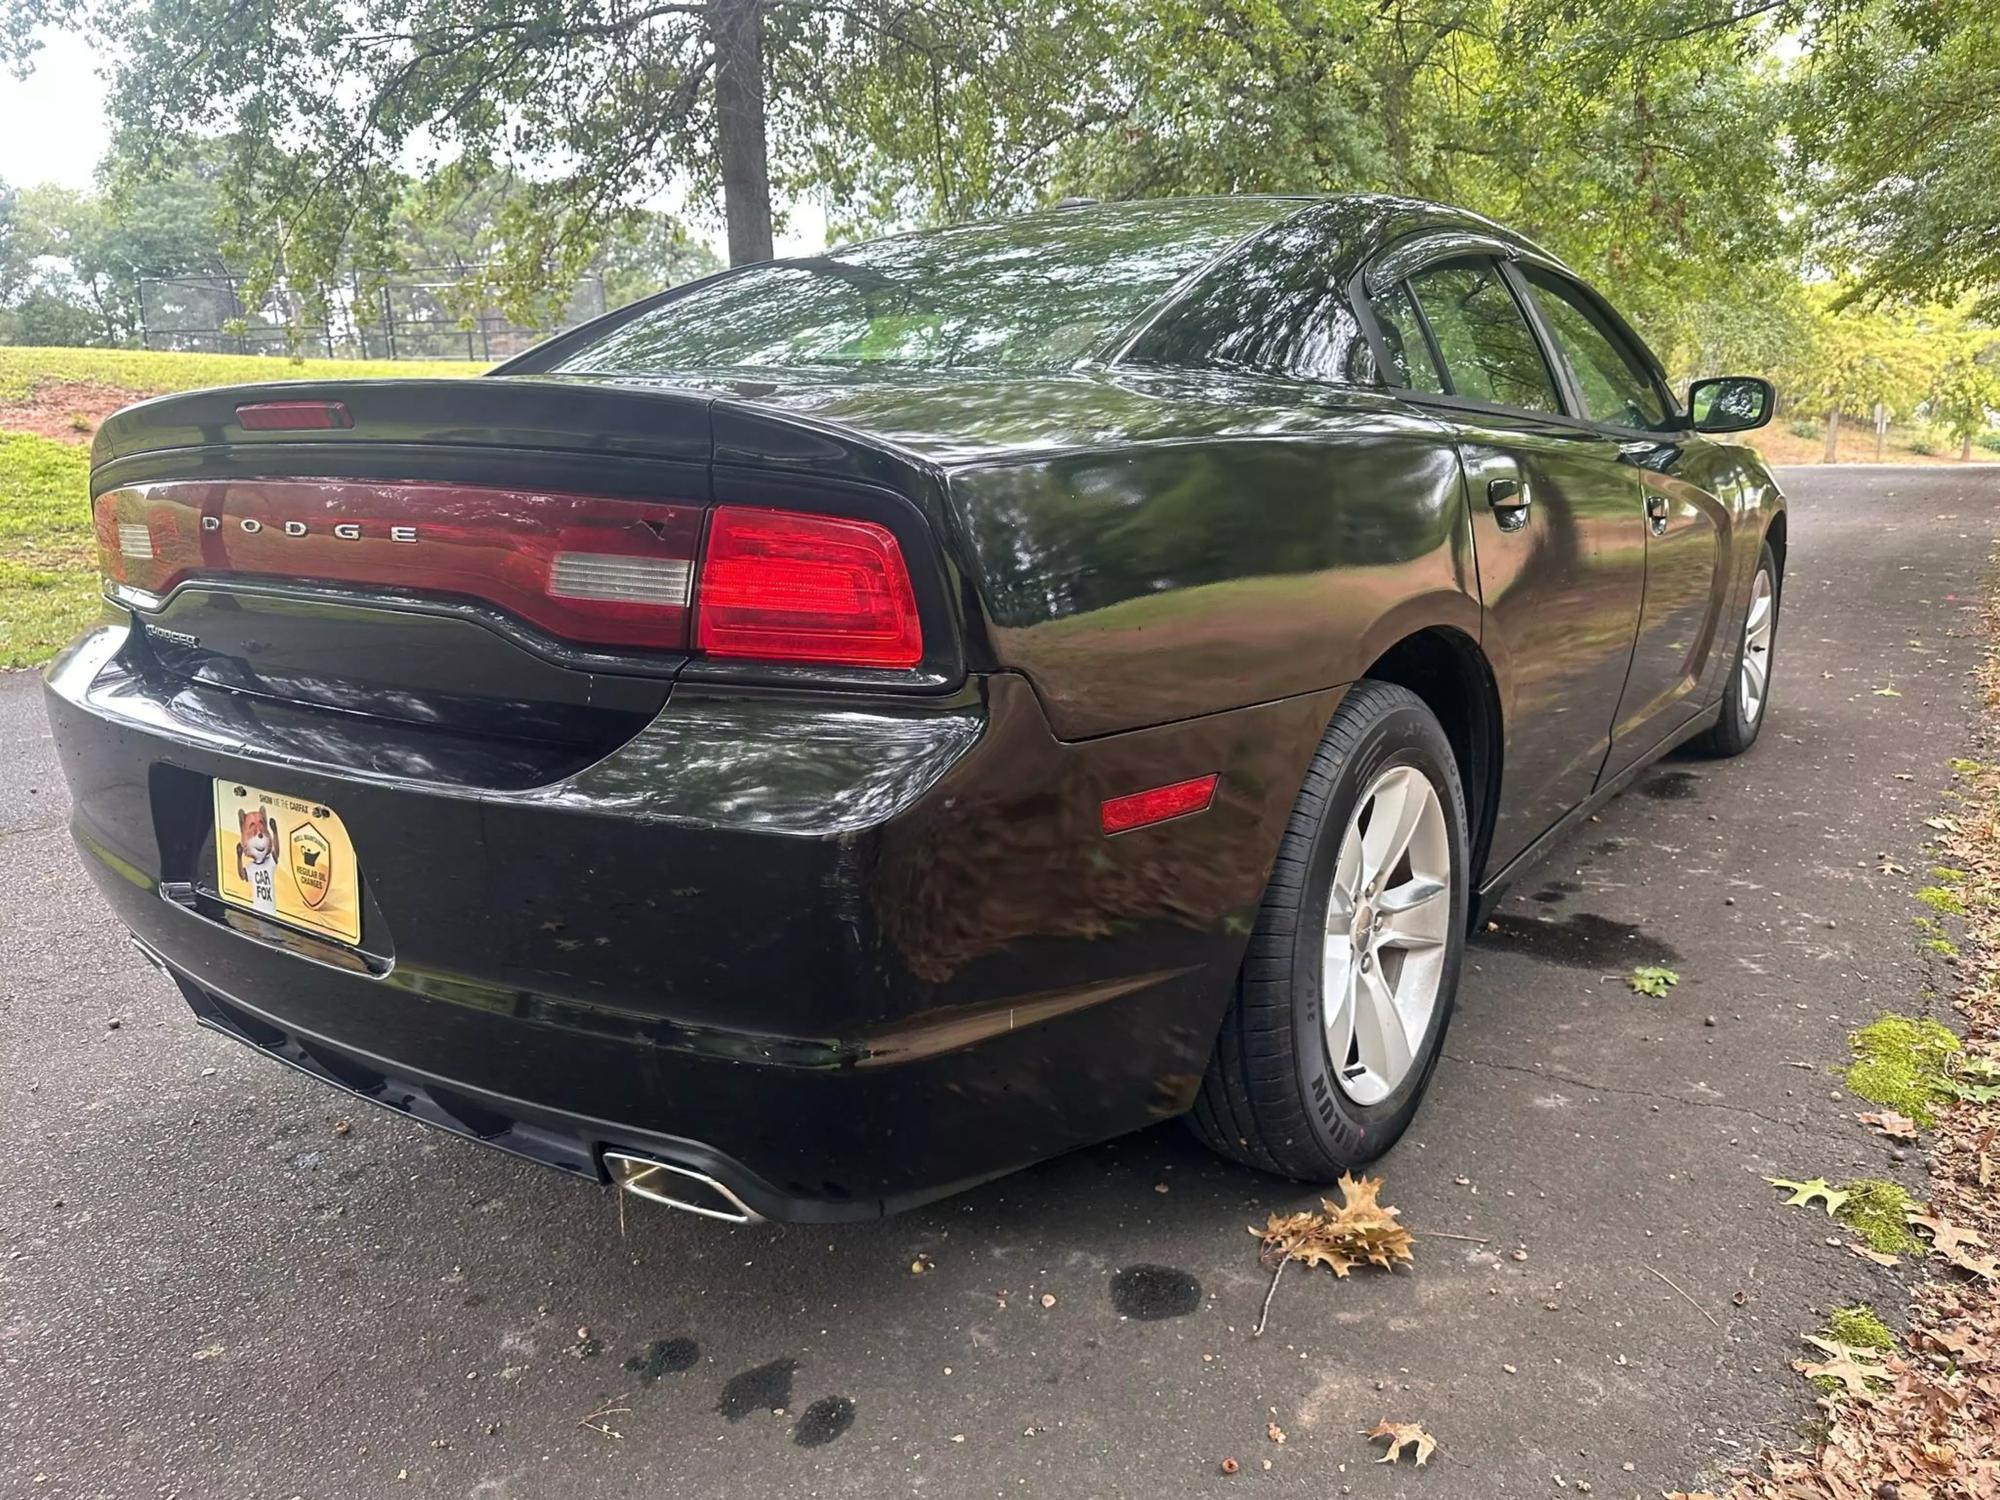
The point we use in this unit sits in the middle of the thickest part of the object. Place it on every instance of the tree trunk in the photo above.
(736, 29)
(1832, 436)
(1965, 449)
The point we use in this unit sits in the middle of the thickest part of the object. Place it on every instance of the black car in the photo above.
(849, 727)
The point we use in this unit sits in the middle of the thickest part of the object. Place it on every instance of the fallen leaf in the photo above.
(1274, 1432)
(1803, 1193)
(1888, 1122)
(1889, 867)
(1846, 1364)
(1403, 1435)
(1650, 979)
(1947, 1238)
(1887, 692)
(1879, 1257)
(1360, 1230)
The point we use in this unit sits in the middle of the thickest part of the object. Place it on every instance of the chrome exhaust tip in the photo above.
(683, 1188)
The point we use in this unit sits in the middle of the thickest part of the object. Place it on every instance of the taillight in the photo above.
(609, 573)
(616, 574)
(780, 586)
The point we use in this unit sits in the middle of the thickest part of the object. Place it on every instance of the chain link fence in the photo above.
(428, 312)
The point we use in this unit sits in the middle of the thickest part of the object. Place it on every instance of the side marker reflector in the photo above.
(1137, 809)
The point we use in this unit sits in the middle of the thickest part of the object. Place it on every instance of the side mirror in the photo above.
(1731, 403)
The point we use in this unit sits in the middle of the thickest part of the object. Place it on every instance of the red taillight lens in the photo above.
(598, 572)
(1157, 804)
(780, 586)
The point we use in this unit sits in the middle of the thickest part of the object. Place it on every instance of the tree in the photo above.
(1852, 359)
(1967, 391)
(596, 106)
(1897, 117)
(1652, 167)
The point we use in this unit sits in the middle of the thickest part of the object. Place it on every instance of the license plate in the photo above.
(286, 858)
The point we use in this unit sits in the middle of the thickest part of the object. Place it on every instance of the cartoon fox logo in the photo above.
(257, 855)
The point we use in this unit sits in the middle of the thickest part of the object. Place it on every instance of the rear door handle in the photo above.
(1657, 511)
(1509, 499)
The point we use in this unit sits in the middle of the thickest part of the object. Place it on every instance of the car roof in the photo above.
(1359, 223)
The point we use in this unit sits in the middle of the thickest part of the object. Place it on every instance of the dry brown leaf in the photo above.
(1274, 1432)
(1888, 1122)
(1359, 1230)
(1403, 1435)
(1956, 1245)
(1852, 1367)
(1880, 1257)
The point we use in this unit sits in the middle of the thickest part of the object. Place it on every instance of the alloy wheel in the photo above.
(1387, 918)
(1753, 681)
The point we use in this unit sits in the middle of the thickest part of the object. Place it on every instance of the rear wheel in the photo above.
(1351, 972)
(1748, 696)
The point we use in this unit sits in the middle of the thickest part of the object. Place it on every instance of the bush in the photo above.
(1990, 441)
(1806, 427)
(1921, 441)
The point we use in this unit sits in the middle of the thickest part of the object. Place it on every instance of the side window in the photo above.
(1271, 309)
(1410, 362)
(1490, 354)
(1616, 387)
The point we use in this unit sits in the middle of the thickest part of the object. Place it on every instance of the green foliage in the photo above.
(1807, 427)
(1939, 899)
(1878, 1213)
(1859, 1328)
(1651, 980)
(1903, 1063)
(1990, 441)
(1898, 145)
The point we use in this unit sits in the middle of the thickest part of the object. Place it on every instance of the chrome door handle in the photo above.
(1656, 514)
(1509, 499)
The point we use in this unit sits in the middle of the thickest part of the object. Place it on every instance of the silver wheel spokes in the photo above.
(1387, 919)
(1755, 677)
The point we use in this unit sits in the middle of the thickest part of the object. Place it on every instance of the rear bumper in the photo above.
(841, 956)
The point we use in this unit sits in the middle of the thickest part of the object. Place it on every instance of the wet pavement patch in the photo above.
(765, 1388)
(1670, 786)
(664, 1357)
(823, 1421)
(1150, 1293)
(1556, 890)
(1580, 941)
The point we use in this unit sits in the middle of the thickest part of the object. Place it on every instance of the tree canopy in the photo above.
(1764, 184)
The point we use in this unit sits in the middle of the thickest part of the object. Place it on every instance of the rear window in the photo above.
(1038, 292)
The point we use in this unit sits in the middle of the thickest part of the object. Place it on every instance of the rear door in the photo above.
(1555, 515)
(1621, 395)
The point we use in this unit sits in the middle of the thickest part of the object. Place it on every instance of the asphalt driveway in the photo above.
(210, 1286)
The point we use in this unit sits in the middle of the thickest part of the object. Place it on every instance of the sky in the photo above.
(52, 124)
(53, 128)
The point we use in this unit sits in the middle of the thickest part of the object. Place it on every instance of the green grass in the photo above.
(48, 576)
(149, 372)
(48, 571)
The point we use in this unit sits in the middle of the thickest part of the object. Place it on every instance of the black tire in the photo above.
(1271, 1098)
(1736, 731)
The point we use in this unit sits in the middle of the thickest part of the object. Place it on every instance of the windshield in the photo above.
(1039, 292)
